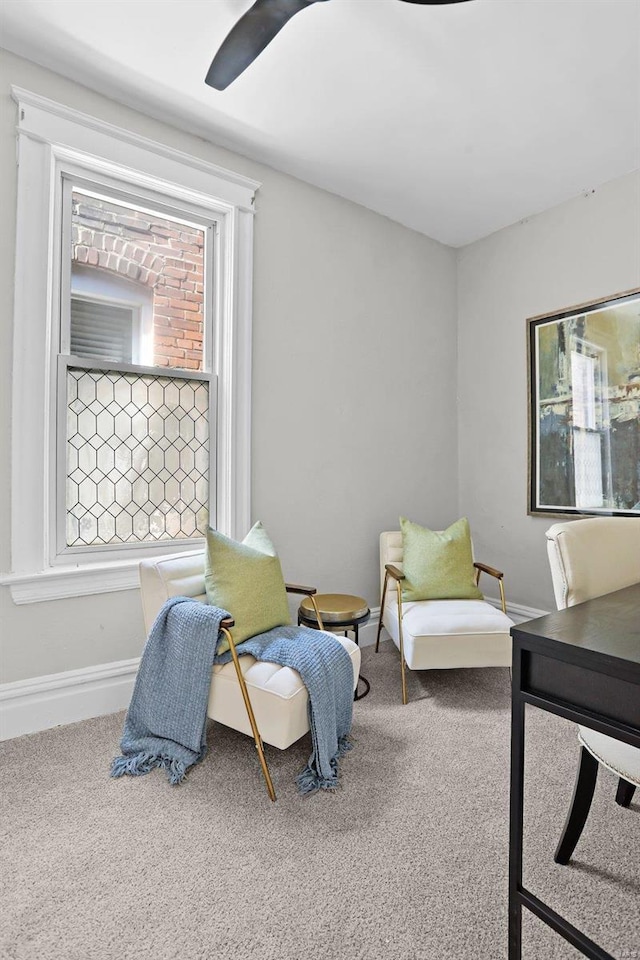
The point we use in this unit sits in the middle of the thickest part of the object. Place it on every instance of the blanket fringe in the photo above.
(310, 781)
(140, 763)
(344, 745)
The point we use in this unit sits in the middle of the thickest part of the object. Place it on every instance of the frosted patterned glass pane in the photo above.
(127, 478)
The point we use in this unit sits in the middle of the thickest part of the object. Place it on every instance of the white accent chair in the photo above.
(440, 634)
(277, 696)
(589, 558)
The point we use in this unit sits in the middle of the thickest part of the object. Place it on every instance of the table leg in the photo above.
(516, 810)
(367, 685)
(345, 629)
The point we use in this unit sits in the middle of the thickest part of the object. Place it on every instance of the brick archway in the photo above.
(124, 258)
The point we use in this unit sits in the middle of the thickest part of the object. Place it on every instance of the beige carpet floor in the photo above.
(407, 860)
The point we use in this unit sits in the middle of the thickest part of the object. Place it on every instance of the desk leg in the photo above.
(516, 808)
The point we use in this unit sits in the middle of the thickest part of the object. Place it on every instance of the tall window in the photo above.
(132, 353)
(134, 383)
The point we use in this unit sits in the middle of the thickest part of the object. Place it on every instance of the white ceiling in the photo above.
(454, 120)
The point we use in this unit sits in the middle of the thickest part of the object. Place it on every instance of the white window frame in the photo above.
(67, 177)
(53, 137)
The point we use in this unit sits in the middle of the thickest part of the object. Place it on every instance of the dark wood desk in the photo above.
(582, 663)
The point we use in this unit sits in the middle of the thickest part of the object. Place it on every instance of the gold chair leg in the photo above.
(252, 718)
(384, 594)
(401, 639)
(502, 597)
(316, 611)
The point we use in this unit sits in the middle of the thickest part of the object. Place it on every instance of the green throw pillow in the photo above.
(438, 565)
(246, 579)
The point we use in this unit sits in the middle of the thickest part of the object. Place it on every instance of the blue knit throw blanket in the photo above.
(327, 673)
(165, 724)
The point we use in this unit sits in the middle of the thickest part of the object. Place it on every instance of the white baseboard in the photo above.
(27, 706)
(40, 703)
(367, 633)
(517, 611)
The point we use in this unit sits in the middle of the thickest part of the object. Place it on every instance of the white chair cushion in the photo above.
(441, 634)
(278, 696)
(621, 758)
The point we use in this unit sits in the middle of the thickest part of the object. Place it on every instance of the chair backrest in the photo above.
(175, 576)
(593, 556)
(390, 551)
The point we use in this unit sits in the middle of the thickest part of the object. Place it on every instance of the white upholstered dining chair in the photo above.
(260, 699)
(440, 634)
(589, 558)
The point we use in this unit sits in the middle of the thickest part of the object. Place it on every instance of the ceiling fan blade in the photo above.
(249, 37)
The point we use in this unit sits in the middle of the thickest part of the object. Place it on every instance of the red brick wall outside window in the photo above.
(164, 255)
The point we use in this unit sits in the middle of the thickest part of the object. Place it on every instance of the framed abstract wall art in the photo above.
(584, 409)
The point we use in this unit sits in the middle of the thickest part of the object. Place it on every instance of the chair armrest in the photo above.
(490, 570)
(498, 574)
(294, 588)
(394, 572)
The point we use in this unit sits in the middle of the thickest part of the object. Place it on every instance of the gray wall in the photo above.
(354, 380)
(354, 417)
(581, 250)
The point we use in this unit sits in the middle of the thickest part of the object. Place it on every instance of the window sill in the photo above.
(61, 582)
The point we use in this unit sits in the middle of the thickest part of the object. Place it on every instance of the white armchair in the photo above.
(263, 700)
(589, 558)
(440, 634)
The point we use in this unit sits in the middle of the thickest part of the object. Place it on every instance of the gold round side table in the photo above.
(340, 612)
